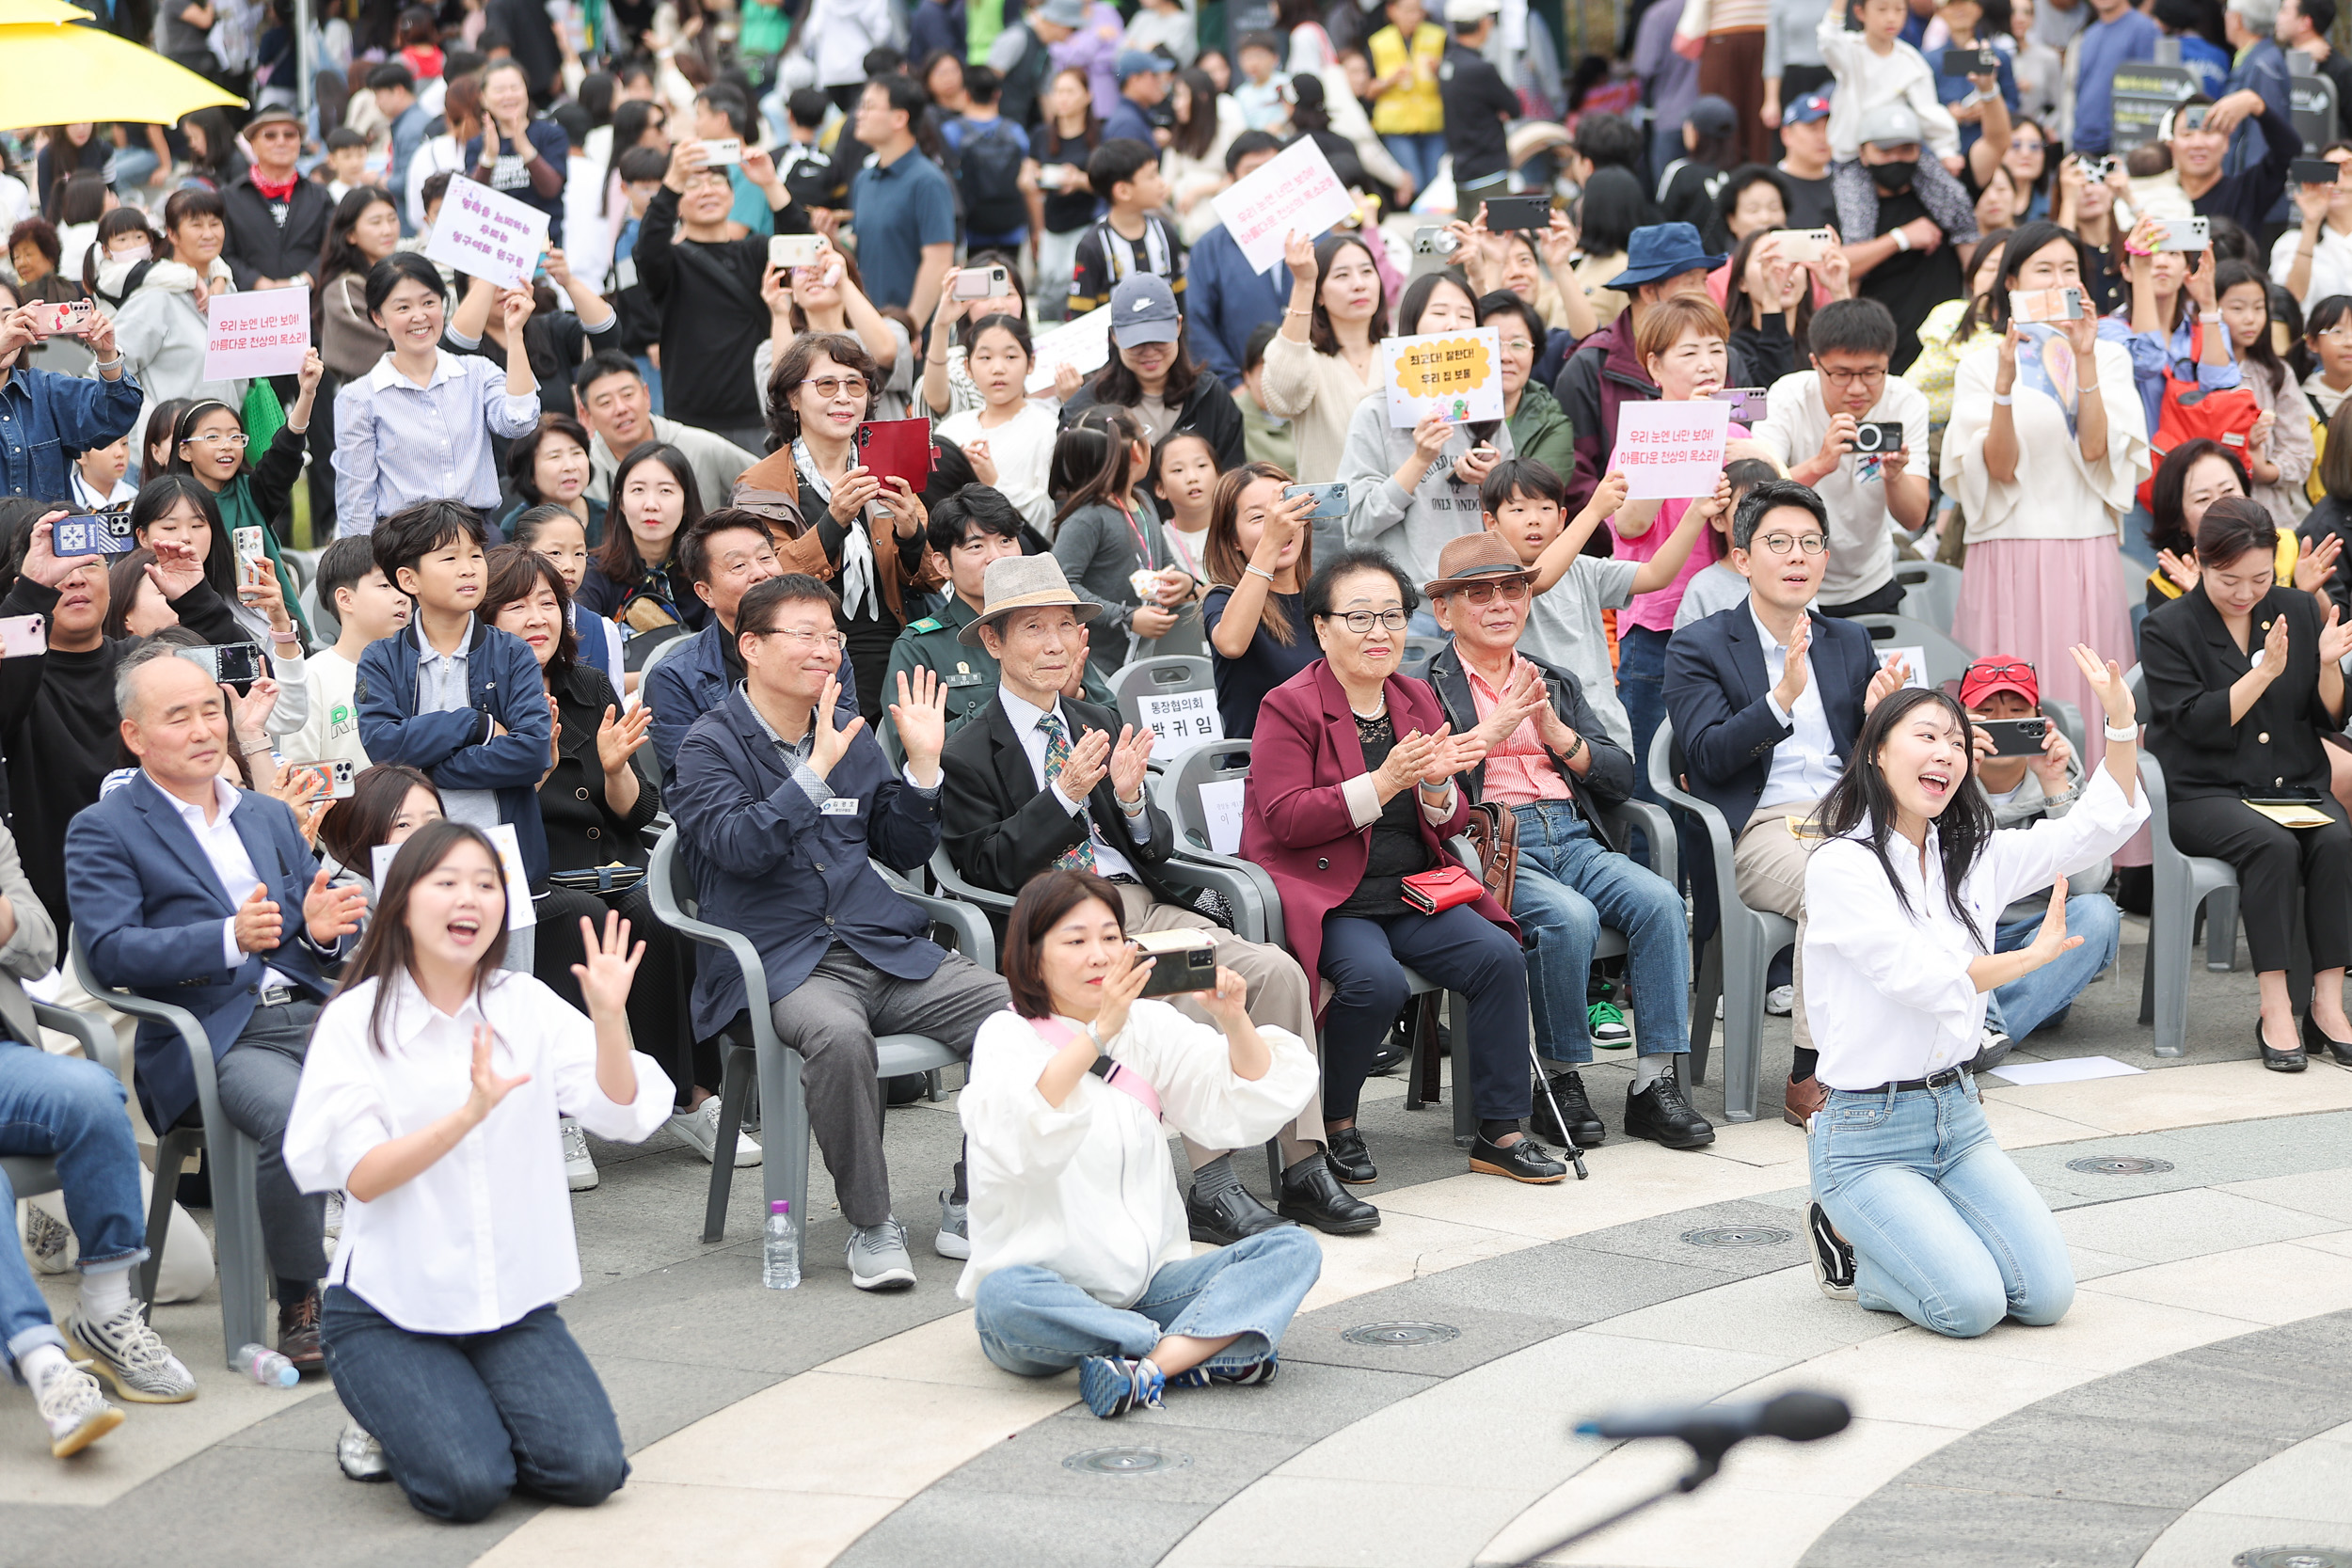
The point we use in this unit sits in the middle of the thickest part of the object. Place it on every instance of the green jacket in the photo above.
(1541, 431)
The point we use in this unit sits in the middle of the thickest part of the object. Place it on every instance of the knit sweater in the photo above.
(1318, 393)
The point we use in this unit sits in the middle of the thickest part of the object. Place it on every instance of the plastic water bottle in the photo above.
(780, 1251)
(265, 1367)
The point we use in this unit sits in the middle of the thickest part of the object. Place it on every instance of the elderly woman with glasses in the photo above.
(1351, 797)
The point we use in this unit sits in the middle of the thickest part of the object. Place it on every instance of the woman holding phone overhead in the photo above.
(206, 442)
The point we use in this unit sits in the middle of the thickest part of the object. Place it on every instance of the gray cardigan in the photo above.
(1789, 29)
(1412, 529)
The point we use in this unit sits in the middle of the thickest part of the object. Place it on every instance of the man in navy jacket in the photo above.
(1225, 297)
(1766, 701)
(779, 803)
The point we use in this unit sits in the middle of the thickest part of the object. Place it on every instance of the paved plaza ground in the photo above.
(2194, 1406)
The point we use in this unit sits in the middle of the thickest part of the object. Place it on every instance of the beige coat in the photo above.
(1318, 394)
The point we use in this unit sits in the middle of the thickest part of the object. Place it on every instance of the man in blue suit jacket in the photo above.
(1766, 701)
(778, 803)
(188, 890)
(1225, 297)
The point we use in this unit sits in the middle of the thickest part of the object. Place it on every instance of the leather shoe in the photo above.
(1583, 1127)
(1524, 1160)
(1312, 1195)
(2278, 1061)
(2317, 1043)
(1798, 1105)
(1661, 1114)
(298, 1332)
(1350, 1161)
(1222, 1220)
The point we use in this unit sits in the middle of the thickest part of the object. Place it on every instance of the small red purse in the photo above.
(1434, 892)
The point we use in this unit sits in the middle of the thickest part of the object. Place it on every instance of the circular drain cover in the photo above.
(1738, 1235)
(1125, 1461)
(1402, 1333)
(2293, 1556)
(2119, 1164)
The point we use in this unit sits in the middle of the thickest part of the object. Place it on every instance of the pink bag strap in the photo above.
(1125, 1080)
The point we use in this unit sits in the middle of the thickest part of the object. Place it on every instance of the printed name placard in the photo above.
(1221, 803)
(1178, 719)
(485, 234)
(1083, 343)
(1457, 375)
(519, 910)
(1671, 451)
(1915, 664)
(263, 333)
(1298, 191)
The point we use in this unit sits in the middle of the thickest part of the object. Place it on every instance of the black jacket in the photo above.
(2332, 516)
(1726, 730)
(1209, 411)
(1479, 104)
(583, 830)
(712, 317)
(2190, 660)
(1611, 780)
(258, 247)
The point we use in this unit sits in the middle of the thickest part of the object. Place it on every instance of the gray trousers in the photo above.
(258, 1077)
(832, 1019)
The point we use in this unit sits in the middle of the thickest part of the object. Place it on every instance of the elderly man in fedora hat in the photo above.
(1549, 759)
(1039, 781)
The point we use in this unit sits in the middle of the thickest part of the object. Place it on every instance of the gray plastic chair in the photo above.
(660, 651)
(230, 1157)
(1241, 892)
(1947, 660)
(1187, 639)
(774, 1067)
(1419, 651)
(2184, 884)
(30, 1174)
(1168, 676)
(1930, 592)
(324, 625)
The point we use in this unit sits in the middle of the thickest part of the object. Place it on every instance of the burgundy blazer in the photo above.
(1294, 819)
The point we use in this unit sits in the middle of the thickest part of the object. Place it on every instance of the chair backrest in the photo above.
(1419, 651)
(660, 651)
(1946, 658)
(322, 618)
(1930, 592)
(1210, 762)
(1165, 676)
(667, 871)
(1187, 637)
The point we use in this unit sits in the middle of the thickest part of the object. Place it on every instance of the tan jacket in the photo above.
(771, 487)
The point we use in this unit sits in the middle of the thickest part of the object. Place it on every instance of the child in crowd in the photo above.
(555, 533)
(1875, 66)
(1133, 237)
(1183, 476)
(367, 607)
(346, 161)
(1265, 438)
(802, 162)
(1107, 542)
(1008, 439)
(1259, 94)
(97, 477)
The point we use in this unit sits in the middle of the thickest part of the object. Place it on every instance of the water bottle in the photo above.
(265, 1367)
(780, 1251)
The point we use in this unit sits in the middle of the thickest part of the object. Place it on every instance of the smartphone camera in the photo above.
(1431, 240)
(1880, 437)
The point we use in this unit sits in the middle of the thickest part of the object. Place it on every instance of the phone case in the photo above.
(898, 448)
(1505, 212)
(2046, 305)
(1331, 500)
(795, 250)
(101, 534)
(725, 152)
(22, 635)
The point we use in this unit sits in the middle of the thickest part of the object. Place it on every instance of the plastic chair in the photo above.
(1930, 592)
(660, 651)
(1947, 660)
(1170, 675)
(232, 1159)
(767, 1061)
(1187, 639)
(324, 622)
(1419, 651)
(30, 1174)
(2184, 884)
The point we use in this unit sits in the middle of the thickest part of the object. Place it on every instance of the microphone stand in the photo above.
(1706, 1460)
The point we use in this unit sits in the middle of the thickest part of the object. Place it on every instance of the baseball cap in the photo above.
(1135, 62)
(1471, 10)
(1998, 673)
(1710, 115)
(1804, 111)
(1888, 125)
(1143, 310)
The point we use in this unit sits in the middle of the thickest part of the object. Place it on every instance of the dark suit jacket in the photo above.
(1611, 779)
(259, 246)
(2189, 661)
(1001, 829)
(150, 908)
(1715, 694)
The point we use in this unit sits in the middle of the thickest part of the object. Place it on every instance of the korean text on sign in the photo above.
(1298, 191)
(485, 234)
(263, 333)
(1179, 720)
(1671, 451)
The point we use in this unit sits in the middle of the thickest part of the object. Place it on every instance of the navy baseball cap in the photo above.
(1805, 110)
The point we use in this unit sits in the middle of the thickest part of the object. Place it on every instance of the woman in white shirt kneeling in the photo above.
(430, 1096)
(1080, 1254)
(1916, 1208)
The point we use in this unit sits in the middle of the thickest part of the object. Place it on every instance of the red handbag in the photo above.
(1434, 892)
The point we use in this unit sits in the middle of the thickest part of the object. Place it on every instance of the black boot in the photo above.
(1583, 1129)
(1312, 1195)
(1661, 1114)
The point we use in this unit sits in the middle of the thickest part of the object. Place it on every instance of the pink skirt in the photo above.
(2034, 599)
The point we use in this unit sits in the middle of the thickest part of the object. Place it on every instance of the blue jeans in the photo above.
(1457, 948)
(1034, 1324)
(133, 167)
(70, 1111)
(652, 378)
(1944, 1228)
(464, 1419)
(1642, 687)
(2023, 1006)
(1421, 152)
(1572, 884)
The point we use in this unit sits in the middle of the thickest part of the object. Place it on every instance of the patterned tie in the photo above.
(1079, 856)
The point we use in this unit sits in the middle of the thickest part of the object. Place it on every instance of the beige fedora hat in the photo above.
(1020, 582)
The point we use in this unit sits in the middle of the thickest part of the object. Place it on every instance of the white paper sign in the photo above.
(1084, 345)
(2071, 1069)
(486, 234)
(519, 910)
(1220, 802)
(1455, 375)
(263, 333)
(1915, 660)
(1671, 451)
(1178, 719)
(1296, 191)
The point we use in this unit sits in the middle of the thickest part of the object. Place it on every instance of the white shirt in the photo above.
(483, 1234)
(1886, 989)
(235, 867)
(1025, 715)
(443, 685)
(1805, 765)
(2331, 261)
(1861, 526)
(1023, 450)
(1087, 1191)
(331, 729)
(2054, 493)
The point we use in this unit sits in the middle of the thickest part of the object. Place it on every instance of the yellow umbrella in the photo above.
(13, 11)
(58, 75)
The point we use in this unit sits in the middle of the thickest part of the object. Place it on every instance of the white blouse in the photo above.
(1887, 992)
(1087, 1191)
(482, 1235)
(1023, 450)
(2056, 495)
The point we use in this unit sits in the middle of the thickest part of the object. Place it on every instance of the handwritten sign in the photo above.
(1457, 375)
(1298, 191)
(1083, 343)
(1915, 662)
(1221, 803)
(485, 234)
(263, 333)
(1671, 451)
(519, 910)
(1178, 719)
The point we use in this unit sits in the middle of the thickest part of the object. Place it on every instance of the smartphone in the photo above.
(1803, 245)
(1181, 961)
(1507, 213)
(2310, 800)
(795, 250)
(896, 447)
(1748, 405)
(2314, 171)
(237, 663)
(2189, 234)
(1331, 500)
(1878, 437)
(2014, 737)
(2095, 170)
(97, 533)
(246, 542)
(728, 150)
(1970, 62)
(336, 778)
(22, 635)
(2045, 305)
(2191, 118)
(70, 319)
(980, 283)
(1433, 240)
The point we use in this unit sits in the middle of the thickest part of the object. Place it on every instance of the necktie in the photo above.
(1079, 856)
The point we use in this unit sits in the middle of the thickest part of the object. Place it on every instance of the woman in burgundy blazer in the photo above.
(1351, 787)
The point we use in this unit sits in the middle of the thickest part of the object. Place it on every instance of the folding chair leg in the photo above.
(171, 1158)
(1420, 1071)
(737, 1079)
(2221, 930)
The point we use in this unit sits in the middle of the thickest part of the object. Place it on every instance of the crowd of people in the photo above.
(616, 553)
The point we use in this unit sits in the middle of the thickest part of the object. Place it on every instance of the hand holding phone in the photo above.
(95, 533)
(795, 250)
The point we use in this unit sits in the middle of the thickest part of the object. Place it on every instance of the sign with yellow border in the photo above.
(1455, 375)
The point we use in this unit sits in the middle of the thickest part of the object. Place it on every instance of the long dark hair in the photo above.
(354, 825)
(2030, 240)
(2167, 528)
(1860, 801)
(1196, 136)
(1328, 250)
(159, 495)
(339, 256)
(1094, 461)
(1092, 135)
(1226, 561)
(1740, 310)
(1045, 901)
(617, 556)
(123, 591)
(386, 950)
(2261, 350)
(220, 157)
(1115, 383)
(630, 121)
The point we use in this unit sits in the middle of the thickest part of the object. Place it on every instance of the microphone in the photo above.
(1798, 1417)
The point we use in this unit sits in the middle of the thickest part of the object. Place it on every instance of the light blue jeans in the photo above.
(1944, 1228)
(71, 1112)
(2023, 1006)
(1422, 153)
(1034, 1324)
(1572, 884)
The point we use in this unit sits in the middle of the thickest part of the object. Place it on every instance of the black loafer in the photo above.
(2317, 1046)
(1350, 1161)
(1583, 1128)
(1222, 1220)
(2278, 1061)
(1661, 1115)
(1526, 1161)
(1312, 1195)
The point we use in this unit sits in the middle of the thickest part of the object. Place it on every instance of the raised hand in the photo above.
(306, 379)
(612, 966)
(174, 571)
(2315, 563)
(42, 565)
(975, 452)
(1609, 494)
(332, 913)
(1890, 680)
(2184, 570)
(2335, 636)
(776, 291)
(1521, 697)
(1130, 761)
(830, 743)
(2106, 678)
(2052, 939)
(1229, 1003)
(2005, 368)
(1120, 988)
(258, 924)
(2051, 764)
(1407, 761)
(1298, 253)
(1067, 381)
(515, 309)
(1792, 673)
(921, 717)
(620, 736)
(100, 335)
(488, 1088)
(248, 715)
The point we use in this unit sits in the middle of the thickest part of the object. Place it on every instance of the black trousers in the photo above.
(658, 1010)
(2269, 859)
(1887, 599)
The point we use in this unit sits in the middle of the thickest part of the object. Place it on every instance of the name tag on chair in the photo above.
(840, 805)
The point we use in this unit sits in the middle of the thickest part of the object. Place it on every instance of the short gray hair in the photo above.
(142, 654)
(2260, 16)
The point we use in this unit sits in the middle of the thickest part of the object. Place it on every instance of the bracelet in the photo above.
(1256, 570)
(1294, 310)
(2129, 731)
(1901, 238)
(254, 751)
(2003, 399)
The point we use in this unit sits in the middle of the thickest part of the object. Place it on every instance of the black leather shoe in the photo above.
(1312, 1195)
(1524, 1160)
(1393, 1054)
(2278, 1061)
(1661, 1115)
(2317, 1046)
(298, 1333)
(1222, 1220)
(1350, 1161)
(1583, 1127)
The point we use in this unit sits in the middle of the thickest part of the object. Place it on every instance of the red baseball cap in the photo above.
(1998, 673)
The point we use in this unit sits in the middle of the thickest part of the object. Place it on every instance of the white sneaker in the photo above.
(699, 1128)
(131, 1356)
(1781, 1001)
(76, 1411)
(955, 1229)
(360, 1455)
(46, 1240)
(579, 1167)
(334, 1226)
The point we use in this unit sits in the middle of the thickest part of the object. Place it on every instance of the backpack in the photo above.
(989, 174)
(2191, 411)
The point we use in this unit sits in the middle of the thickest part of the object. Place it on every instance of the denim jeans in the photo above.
(464, 1419)
(1642, 687)
(2023, 1006)
(1944, 1228)
(1419, 152)
(70, 1111)
(1572, 884)
(1034, 1324)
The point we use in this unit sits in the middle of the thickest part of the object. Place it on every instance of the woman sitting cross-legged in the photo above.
(430, 1096)
(1081, 1256)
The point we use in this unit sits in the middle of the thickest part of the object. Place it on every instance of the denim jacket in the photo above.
(46, 418)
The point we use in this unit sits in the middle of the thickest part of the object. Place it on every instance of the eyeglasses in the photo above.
(1855, 379)
(1484, 592)
(1996, 670)
(808, 638)
(1361, 622)
(2336, 334)
(1782, 544)
(235, 438)
(1518, 345)
(831, 386)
